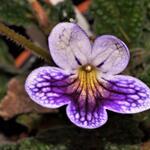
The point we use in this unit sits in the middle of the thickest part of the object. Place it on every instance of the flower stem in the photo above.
(21, 40)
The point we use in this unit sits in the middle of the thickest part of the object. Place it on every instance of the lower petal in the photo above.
(126, 94)
(84, 118)
(47, 87)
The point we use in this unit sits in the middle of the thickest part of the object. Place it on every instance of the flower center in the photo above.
(88, 68)
(85, 89)
(87, 78)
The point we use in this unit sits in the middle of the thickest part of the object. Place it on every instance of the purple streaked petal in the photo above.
(126, 94)
(86, 109)
(69, 46)
(110, 54)
(84, 118)
(47, 87)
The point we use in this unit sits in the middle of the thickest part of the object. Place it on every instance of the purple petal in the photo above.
(110, 54)
(126, 94)
(47, 87)
(86, 115)
(69, 46)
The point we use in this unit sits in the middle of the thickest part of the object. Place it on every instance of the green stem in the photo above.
(21, 40)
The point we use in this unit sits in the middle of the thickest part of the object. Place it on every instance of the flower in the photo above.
(87, 79)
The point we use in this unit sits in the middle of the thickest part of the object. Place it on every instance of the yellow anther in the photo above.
(88, 68)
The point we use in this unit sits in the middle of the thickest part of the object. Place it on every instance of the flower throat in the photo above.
(87, 78)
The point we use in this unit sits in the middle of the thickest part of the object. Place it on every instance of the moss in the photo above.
(32, 144)
(110, 146)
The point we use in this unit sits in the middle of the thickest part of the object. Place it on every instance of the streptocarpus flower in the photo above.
(87, 79)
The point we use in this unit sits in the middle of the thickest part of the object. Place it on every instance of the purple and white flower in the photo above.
(87, 80)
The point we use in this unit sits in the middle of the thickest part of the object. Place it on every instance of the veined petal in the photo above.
(110, 54)
(126, 94)
(82, 117)
(47, 87)
(69, 46)
(86, 109)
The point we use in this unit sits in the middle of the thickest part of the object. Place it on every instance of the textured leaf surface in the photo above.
(122, 18)
(13, 16)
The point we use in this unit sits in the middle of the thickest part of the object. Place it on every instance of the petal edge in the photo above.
(42, 86)
(110, 54)
(88, 121)
(132, 95)
(69, 45)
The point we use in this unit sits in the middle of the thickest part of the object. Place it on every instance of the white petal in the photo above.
(69, 46)
(110, 54)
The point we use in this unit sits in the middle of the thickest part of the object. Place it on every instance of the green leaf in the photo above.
(15, 12)
(123, 18)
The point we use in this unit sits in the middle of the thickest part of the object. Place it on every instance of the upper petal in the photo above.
(47, 87)
(110, 54)
(69, 46)
(126, 94)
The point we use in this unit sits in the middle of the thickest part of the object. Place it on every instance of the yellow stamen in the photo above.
(87, 79)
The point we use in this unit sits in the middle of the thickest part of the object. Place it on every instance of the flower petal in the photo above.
(47, 86)
(86, 109)
(110, 54)
(126, 94)
(69, 46)
(85, 117)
